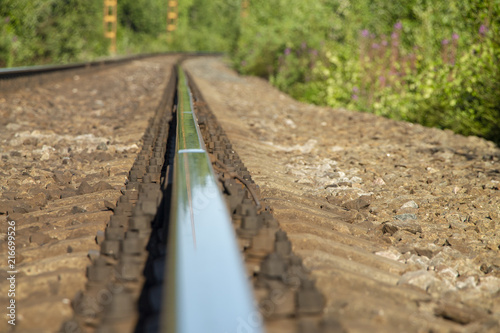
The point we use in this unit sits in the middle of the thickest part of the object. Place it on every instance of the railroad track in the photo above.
(174, 208)
(169, 252)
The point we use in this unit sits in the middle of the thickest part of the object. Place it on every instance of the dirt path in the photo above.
(398, 223)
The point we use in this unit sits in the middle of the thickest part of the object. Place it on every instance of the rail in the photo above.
(207, 289)
(15, 72)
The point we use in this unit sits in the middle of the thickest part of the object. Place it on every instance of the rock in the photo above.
(15, 153)
(489, 284)
(9, 195)
(62, 178)
(466, 282)
(84, 188)
(39, 200)
(409, 204)
(459, 313)
(40, 238)
(391, 253)
(103, 157)
(22, 208)
(405, 217)
(45, 156)
(7, 206)
(77, 210)
(458, 244)
(357, 204)
(102, 186)
(30, 142)
(394, 226)
(446, 255)
(421, 278)
(421, 262)
(102, 146)
(66, 193)
(429, 250)
(447, 273)
(109, 205)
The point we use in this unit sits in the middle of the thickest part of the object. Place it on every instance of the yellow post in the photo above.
(172, 15)
(244, 7)
(110, 21)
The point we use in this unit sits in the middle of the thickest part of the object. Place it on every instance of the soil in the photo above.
(397, 223)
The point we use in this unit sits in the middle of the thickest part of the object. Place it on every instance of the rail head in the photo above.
(207, 288)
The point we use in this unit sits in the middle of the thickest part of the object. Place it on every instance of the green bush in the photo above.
(49, 31)
(434, 63)
(207, 25)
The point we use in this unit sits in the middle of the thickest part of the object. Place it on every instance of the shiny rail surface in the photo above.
(207, 288)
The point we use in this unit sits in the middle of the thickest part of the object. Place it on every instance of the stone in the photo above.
(62, 178)
(78, 210)
(84, 188)
(405, 217)
(7, 206)
(102, 146)
(357, 204)
(40, 238)
(102, 186)
(394, 226)
(409, 204)
(421, 278)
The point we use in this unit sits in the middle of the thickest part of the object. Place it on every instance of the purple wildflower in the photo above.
(7, 19)
(314, 52)
(355, 89)
(394, 35)
(365, 33)
(384, 42)
(381, 79)
(375, 46)
(288, 51)
(303, 46)
(454, 36)
(445, 42)
(482, 30)
(398, 25)
(354, 97)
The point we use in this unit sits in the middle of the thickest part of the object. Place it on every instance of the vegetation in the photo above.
(431, 62)
(54, 31)
(435, 63)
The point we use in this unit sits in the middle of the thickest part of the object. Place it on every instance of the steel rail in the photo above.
(207, 289)
(15, 72)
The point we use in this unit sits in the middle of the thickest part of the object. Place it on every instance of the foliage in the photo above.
(41, 31)
(56, 31)
(434, 63)
(207, 25)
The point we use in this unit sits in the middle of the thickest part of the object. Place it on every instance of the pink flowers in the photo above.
(483, 29)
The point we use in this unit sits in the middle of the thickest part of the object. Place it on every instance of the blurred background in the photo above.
(432, 62)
